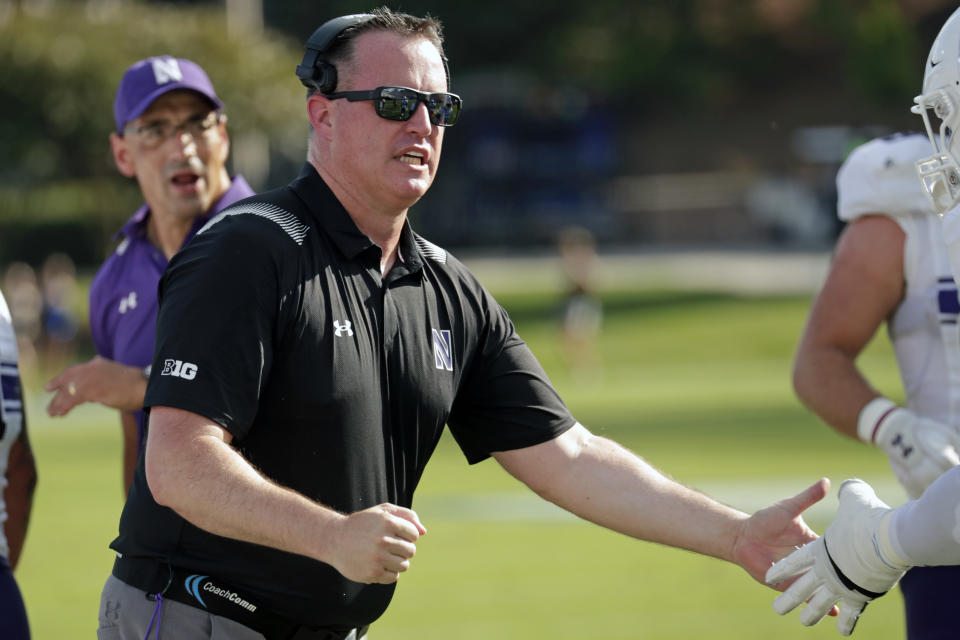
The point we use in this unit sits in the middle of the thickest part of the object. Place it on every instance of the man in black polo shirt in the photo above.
(310, 349)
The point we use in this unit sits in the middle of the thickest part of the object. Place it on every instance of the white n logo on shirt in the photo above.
(341, 330)
(442, 349)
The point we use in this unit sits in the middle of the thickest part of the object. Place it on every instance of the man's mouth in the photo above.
(184, 179)
(412, 157)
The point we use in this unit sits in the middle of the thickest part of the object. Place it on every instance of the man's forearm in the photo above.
(602, 482)
(205, 480)
(192, 469)
(828, 382)
(100, 380)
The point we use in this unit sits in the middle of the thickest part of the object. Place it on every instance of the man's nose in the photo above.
(419, 122)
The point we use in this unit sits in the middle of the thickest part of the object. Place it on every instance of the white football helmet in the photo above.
(940, 172)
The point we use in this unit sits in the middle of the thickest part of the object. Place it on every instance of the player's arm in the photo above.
(191, 468)
(924, 531)
(100, 380)
(18, 494)
(602, 482)
(864, 286)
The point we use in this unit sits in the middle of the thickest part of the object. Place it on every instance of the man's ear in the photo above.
(122, 156)
(225, 147)
(320, 111)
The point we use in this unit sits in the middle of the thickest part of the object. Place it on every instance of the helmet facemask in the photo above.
(940, 173)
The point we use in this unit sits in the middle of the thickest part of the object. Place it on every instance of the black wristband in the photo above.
(847, 582)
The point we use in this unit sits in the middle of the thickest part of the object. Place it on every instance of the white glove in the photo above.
(852, 563)
(919, 449)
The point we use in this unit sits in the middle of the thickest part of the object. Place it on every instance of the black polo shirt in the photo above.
(276, 323)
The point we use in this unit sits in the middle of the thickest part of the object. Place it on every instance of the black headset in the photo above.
(315, 72)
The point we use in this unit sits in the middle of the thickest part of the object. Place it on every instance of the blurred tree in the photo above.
(886, 57)
(668, 52)
(690, 68)
(59, 67)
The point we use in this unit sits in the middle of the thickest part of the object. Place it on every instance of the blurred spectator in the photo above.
(582, 312)
(59, 284)
(26, 308)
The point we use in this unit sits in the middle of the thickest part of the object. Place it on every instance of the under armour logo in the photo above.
(898, 442)
(342, 329)
(442, 349)
(128, 302)
(111, 612)
(166, 70)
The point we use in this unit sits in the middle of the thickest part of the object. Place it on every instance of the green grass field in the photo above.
(697, 383)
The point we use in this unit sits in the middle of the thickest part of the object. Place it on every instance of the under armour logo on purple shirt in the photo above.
(129, 301)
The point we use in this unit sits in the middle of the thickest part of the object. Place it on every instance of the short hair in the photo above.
(341, 50)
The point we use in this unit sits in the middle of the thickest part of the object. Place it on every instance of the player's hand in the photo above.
(851, 564)
(376, 544)
(98, 380)
(771, 533)
(919, 450)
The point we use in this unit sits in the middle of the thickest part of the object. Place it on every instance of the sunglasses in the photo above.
(400, 103)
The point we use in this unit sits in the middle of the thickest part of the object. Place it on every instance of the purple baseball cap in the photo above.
(147, 80)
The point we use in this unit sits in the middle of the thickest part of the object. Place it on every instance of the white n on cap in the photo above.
(166, 70)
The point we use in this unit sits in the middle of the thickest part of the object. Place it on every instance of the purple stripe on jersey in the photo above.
(948, 301)
(123, 295)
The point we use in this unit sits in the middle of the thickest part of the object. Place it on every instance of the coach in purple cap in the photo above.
(171, 135)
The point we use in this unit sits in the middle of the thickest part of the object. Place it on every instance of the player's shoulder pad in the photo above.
(880, 176)
(259, 209)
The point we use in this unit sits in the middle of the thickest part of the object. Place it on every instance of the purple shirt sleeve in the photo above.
(123, 295)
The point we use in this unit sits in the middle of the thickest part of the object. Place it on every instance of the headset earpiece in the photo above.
(315, 72)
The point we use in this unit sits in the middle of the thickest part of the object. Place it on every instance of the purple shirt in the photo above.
(123, 295)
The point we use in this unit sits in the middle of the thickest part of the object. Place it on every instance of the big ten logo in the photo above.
(179, 369)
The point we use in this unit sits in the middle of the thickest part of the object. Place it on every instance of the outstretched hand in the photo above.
(859, 565)
(98, 380)
(774, 532)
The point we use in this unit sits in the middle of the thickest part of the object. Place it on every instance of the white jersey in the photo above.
(11, 407)
(880, 177)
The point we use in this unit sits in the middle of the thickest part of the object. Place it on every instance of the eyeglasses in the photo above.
(400, 103)
(155, 133)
